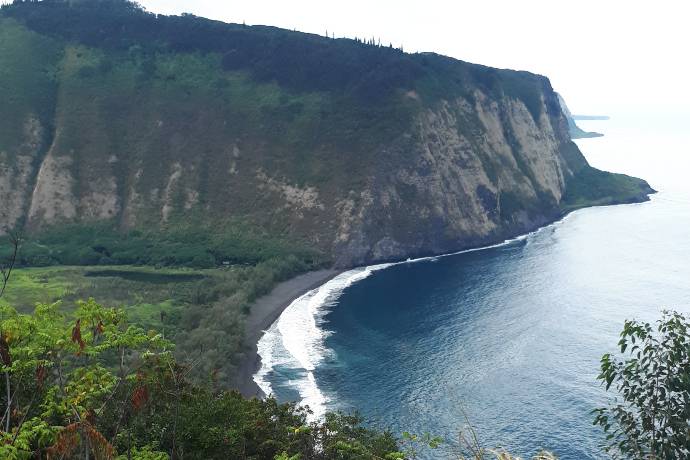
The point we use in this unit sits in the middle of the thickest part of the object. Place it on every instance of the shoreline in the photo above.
(264, 312)
(267, 309)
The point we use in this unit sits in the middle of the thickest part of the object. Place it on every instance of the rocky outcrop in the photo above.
(480, 170)
(17, 171)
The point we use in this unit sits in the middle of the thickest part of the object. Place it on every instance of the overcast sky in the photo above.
(603, 56)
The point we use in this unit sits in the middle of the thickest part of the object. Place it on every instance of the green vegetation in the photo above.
(593, 187)
(201, 311)
(102, 244)
(28, 85)
(92, 385)
(361, 69)
(652, 417)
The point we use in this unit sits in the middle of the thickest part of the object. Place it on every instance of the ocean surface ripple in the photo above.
(508, 336)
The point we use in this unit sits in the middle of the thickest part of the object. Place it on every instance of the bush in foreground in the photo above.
(94, 386)
(652, 418)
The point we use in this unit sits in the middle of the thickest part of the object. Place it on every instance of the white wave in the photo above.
(265, 348)
(297, 338)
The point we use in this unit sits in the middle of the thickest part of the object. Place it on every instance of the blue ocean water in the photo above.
(508, 337)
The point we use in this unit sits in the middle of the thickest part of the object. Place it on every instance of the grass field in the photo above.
(144, 292)
(201, 310)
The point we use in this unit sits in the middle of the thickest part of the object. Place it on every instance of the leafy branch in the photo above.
(651, 421)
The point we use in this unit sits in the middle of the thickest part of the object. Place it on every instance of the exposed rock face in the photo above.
(449, 193)
(455, 180)
(466, 172)
(178, 138)
(52, 199)
(17, 170)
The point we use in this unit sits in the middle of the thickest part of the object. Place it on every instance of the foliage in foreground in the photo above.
(201, 311)
(92, 385)
(95, 386)
(652, 418)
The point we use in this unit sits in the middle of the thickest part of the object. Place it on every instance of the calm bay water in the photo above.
(510, 336)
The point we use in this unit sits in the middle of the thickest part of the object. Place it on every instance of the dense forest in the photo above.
(303, 62)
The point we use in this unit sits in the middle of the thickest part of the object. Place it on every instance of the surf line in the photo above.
(296, 340)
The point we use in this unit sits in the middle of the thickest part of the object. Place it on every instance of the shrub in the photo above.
(652, 418)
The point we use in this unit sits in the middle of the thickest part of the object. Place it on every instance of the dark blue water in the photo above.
(511, 336)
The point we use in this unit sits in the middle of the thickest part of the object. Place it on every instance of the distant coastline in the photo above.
(578, 133)
(591, 117)
(581, 134)
(575, 131)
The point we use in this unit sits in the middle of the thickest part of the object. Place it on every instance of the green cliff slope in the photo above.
(144, 138)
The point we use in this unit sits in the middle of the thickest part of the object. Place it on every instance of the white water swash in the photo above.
(514, 330)
(296, 340)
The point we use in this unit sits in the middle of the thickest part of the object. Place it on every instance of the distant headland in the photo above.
(591, 117)
(575, 131)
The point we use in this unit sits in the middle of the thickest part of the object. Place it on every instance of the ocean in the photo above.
(507, 338)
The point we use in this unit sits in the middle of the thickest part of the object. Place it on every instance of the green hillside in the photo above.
(129, 137)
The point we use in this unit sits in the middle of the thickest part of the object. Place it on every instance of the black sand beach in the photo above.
(263, 313)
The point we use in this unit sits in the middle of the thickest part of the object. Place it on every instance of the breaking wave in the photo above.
(294, 345)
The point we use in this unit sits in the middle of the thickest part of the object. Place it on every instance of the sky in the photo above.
(602, 56)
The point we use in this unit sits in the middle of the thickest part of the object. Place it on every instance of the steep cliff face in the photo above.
(158, 139)
(480, 170)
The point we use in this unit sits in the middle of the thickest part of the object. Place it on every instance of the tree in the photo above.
(63, 375)
(7, 267)
(90, 385)
(652, 418)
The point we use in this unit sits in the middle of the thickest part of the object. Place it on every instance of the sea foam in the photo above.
(296, 340)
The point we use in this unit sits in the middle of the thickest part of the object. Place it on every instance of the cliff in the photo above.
(127, 123)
